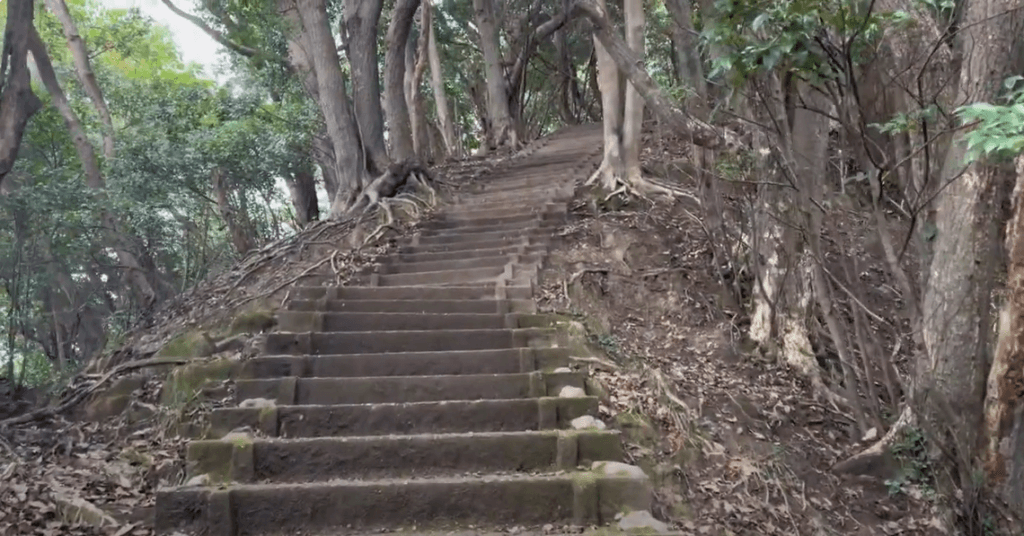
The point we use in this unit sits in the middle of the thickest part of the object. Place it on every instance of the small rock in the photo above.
(257, 403)
(618, 469)
(587, 421)
(562, 370)
(549, 528)
(642, 520)
(870, 435)
(571, 392)
(199, 480)
(238, 433)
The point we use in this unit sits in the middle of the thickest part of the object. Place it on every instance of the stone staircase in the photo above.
(430, 398)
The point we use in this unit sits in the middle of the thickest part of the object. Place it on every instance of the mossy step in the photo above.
(501, 361)
(399, 389)
(440, 224)
(401, 266)
(459, 236)
(372, 342)
(582, 499)
(406, 418)
(423, 455)
(470, 242)
(504, 249)
(302, 321)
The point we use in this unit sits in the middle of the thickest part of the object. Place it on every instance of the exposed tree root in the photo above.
(397, 177)
(873, 459)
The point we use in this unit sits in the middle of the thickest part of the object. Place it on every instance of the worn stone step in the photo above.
(401, 389)
(466, 292)
(255, 509)
(443, 277)
(474, 212)
(422, 455)
(458, 236)
(500, 250)
(374, 342)
(434, 417)
(482, 205)
(526, 194)
(440, 223)
(413, 306)
(500, 361)
(302, 321)
(399, 266)
(469, 244)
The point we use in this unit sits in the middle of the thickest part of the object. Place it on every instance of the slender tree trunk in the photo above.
(497, 86)
(687, 55)
(17, 102)
(399, 127)
(633, 114)
(302, 187)
(415, 67)
(93, 177)
(444, 116)
(608, 81)
(80, 56)
(361, 20)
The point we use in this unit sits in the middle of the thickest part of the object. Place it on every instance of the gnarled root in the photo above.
(875, 460)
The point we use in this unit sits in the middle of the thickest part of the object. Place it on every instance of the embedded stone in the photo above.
(571, 392)
(258, 403)
(587, 422)
(642, 521)
(618, 469)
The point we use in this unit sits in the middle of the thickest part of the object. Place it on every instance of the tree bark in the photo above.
(633, 114)
(80, 56)
(608, 81)
(399, 124)
(233, 218)
(302, 187)
(361, 20)
(421, 140)
(497, 85)
(17, 101)
(949, 388)
(444, 116)
(687, 57)
(315, 38)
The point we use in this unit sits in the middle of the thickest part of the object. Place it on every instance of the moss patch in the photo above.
(189, 344)
(254, 321)
(184, 382)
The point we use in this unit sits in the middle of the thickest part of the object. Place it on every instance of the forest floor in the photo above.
(735, 444)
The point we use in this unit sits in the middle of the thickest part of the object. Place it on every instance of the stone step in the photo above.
(474, 212)
(399, 266)
(338, 506)
(374, 342)
(466, 292)
(423, 455)
(442, 363)
(500, 250)
(469, 244)
(482, 205)
(440, 223)
(402, 389)
(432, 417)
(443, 277)
(531, 223)
(413, 306)
(527, 193)
(303, 321)
(459, 236)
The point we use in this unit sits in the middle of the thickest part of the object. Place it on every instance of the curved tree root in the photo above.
(874, 460)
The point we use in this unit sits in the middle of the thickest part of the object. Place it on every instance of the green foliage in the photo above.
(911, 453)
(998, 132)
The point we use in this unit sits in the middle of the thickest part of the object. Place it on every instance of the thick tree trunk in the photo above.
(93, 177)
(416, 64)
(361, 20)
(80, 56)
(399, 127)
(444, 116)
(949, 389)
(633, 115)
(237, 228)
(497, 85)
(315, 37)
(17, 102)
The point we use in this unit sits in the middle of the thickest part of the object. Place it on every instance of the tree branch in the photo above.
(246, 51)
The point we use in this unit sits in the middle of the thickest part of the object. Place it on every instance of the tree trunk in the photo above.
(80, 56)
(497, 86)
(444, 116)
(415, 65)
(302, 187)
(608, 81)
(17, 102)
(93, 177)
(686, 52)
(361, 20)
(949, 388)
(237, 228)
(633, 115)
(315, 37)
(399, 127)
